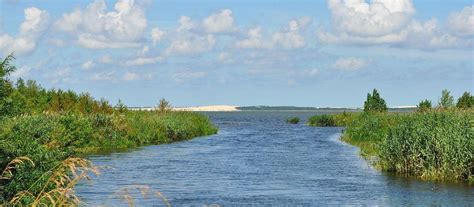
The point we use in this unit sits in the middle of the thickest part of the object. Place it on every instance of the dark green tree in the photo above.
(465, 101)
(446, 101)
(6, 87)
(375, 103)
(424, 105)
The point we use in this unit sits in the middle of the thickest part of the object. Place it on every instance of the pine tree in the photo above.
(465, 101)
(375, 103)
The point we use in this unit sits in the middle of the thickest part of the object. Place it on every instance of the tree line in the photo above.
(375, 103)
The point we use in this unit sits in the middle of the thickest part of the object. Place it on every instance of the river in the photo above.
(258, 159)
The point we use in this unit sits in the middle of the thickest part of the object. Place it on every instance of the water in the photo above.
(258, 159)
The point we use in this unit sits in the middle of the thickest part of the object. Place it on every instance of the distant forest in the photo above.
(297, 108)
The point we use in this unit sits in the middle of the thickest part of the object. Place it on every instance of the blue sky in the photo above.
(303, 53)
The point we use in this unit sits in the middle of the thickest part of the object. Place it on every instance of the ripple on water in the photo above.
(257, 159)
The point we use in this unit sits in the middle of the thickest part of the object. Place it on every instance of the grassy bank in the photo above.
(42, 132)
(49, 138)
(432, 145)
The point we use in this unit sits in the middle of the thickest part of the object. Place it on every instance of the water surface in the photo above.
(258, 159)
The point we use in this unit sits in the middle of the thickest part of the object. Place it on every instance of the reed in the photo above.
(433, 144)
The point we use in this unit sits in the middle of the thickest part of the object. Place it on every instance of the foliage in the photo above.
(424, 105)
(339, 119)
(375, 103)
(293, 120)
(121, 107)
(50, 126)
(324, 120)
(465, 101)
(164, 105)
(446, 101)
(434, 145)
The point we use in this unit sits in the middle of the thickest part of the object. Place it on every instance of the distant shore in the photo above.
(229, 108)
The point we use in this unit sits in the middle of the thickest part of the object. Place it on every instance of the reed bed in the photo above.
(432, 145)
(50, 139)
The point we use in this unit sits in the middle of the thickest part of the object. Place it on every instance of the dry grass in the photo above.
(59, 188)
(126, 196)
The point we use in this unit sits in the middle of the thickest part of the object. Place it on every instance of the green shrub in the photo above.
(293, 120)
(324, 120)
(424, 105)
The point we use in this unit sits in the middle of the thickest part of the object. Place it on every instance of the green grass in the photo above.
(293, 120)
(432, 145)
(49, 138)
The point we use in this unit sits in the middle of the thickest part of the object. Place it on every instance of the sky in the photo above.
(244, 52)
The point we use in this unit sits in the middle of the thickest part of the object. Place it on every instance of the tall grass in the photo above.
(328, 120)
(50, 138)
(433, 145)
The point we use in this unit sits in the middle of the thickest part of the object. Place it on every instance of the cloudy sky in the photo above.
(244, 52)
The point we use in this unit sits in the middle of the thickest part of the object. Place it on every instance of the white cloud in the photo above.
(35, 23)
(191, 44)
(143, 61)
(105, 59)
(21, 72)
(88, 65)
(60, 75)
(350, 64)
(254, 40)
(225, 57)
(96, 28)
(156, 35)
(304, 22)
(186, 76)
(380, 17)
(129, 76)
(390, 23)
(185, 24)
(222, 22)
(103, 76)
(462, 22)
(290, 38)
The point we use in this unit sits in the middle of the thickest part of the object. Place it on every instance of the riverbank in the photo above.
(431, 145)
(49, 138)
(43, 131)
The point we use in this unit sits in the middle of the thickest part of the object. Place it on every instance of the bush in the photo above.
(294, 120)
(424, 105)
(324, 120)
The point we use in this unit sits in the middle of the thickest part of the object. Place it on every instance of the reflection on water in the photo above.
(256, 158)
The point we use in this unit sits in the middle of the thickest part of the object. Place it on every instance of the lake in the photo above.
(258, 159)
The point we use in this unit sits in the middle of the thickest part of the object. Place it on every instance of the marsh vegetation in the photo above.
(41, 131)
(432, 143)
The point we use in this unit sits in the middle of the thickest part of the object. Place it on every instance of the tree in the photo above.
(446, 101)
(121, 107)
(164, 105)
(465, 101)
(424, 105)
(6, 87)
(375, 103)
